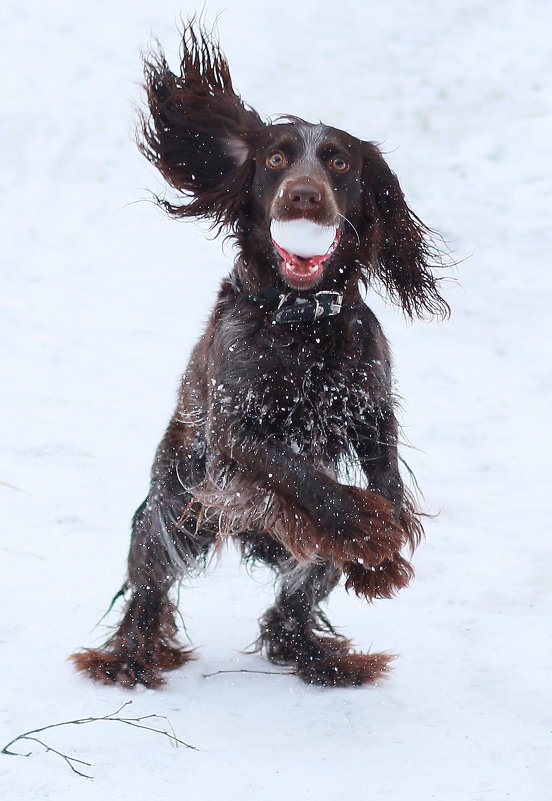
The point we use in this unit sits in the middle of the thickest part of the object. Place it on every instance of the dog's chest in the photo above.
(310, 400)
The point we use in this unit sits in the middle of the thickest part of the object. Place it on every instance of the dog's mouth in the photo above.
(304, 247)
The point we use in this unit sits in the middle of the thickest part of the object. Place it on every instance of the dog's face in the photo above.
(308, 173)
(307, 203)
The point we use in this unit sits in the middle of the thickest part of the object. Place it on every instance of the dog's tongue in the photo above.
(303, 246)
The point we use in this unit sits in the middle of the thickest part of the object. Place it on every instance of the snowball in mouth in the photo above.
(304, 247)
(303, 238)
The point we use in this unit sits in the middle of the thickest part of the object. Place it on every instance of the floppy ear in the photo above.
(401, 251)
(198, 132)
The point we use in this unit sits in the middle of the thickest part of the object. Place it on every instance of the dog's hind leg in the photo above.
(295, 632)
(163, 549)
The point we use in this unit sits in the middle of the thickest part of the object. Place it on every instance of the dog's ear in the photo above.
(401, 252)
(198, 132)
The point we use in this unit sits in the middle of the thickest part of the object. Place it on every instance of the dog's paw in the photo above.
(345, 669)
(379, 581)
(365, 530)
(112, 667)
(357, 527)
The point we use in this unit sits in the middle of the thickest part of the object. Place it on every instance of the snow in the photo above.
(303, 237)
(102, 299)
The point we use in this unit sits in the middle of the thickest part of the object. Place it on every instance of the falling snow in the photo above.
(102, 300)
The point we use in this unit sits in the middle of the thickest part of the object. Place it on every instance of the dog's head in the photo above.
(311, 206)
(305, 188)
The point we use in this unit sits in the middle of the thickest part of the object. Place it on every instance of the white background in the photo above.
(102, 299)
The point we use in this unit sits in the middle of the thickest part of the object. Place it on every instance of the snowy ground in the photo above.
(98, 318)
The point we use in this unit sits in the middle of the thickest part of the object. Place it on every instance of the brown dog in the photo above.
(289, 388)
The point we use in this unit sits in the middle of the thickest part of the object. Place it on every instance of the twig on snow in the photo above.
(73, 761)
(243, 670)
(10, 486)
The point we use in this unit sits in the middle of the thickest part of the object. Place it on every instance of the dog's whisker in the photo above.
(352, 226)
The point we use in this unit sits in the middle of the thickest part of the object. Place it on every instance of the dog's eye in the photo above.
(339, 164)
(276, 160)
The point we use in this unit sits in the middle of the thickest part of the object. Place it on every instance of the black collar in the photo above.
(287, 307)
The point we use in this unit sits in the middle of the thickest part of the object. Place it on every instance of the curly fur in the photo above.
(274, 420)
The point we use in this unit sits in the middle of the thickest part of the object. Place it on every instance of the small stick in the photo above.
(243, 670)
(11, 486)
(136, 722)
(69, 760)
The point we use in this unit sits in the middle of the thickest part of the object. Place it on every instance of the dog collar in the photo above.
(291, 308)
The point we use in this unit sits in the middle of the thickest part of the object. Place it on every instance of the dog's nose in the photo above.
(304, 196)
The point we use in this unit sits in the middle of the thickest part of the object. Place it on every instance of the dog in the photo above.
(284, 436)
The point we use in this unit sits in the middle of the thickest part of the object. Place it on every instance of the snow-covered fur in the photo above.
(284, 436)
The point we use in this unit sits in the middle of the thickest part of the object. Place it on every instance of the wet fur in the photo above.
(271, 419)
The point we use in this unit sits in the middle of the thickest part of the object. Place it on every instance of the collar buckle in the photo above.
(334, 302)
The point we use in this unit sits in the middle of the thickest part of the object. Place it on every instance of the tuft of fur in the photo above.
(142, 649)
(197, 130)
(316, 653)
(399, 251)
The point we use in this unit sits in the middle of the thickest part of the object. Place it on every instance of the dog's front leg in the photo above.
(376, 447)
(320, 518)
(375, 441)
(379, 459)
